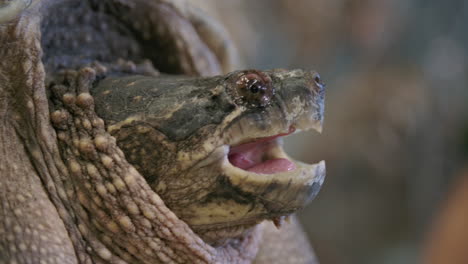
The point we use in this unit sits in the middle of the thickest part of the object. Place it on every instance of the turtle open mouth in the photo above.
(259, 169)
(262, 156)
(256, 166)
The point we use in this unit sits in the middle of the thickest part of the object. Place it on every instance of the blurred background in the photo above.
(395, 134)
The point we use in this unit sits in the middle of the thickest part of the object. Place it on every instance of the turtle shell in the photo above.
(175, 36)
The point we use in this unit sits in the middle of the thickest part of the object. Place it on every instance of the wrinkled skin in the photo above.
(70, 190)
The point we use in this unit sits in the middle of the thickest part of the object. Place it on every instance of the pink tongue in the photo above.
(251, 156)
(250, 162)
(273, 166)
(241, 161)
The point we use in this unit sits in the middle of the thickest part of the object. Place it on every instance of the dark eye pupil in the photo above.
(254, 88)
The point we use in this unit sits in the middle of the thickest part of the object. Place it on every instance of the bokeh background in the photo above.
(396, 112)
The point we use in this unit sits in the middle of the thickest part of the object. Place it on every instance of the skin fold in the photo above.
(99, 162)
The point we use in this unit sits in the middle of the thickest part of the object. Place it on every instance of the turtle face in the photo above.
(211, 147)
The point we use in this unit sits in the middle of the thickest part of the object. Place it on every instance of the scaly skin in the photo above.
(49, 215)
(67, 193)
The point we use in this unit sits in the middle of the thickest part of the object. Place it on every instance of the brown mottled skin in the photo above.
(68, 193)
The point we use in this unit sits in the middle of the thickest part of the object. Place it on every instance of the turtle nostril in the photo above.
(319, 85)
(317, 79)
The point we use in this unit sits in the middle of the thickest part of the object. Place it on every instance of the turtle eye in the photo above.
(255, 89)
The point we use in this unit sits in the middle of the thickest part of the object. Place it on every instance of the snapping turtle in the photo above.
(106, 158)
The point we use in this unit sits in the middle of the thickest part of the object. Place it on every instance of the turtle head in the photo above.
(212, 147)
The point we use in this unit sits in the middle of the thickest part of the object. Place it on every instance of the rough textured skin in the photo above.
(67, 192)
(135, 30)
(32, 226)
(116, 208)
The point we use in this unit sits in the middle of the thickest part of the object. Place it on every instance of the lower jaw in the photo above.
(221, 233)
(218, 234)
